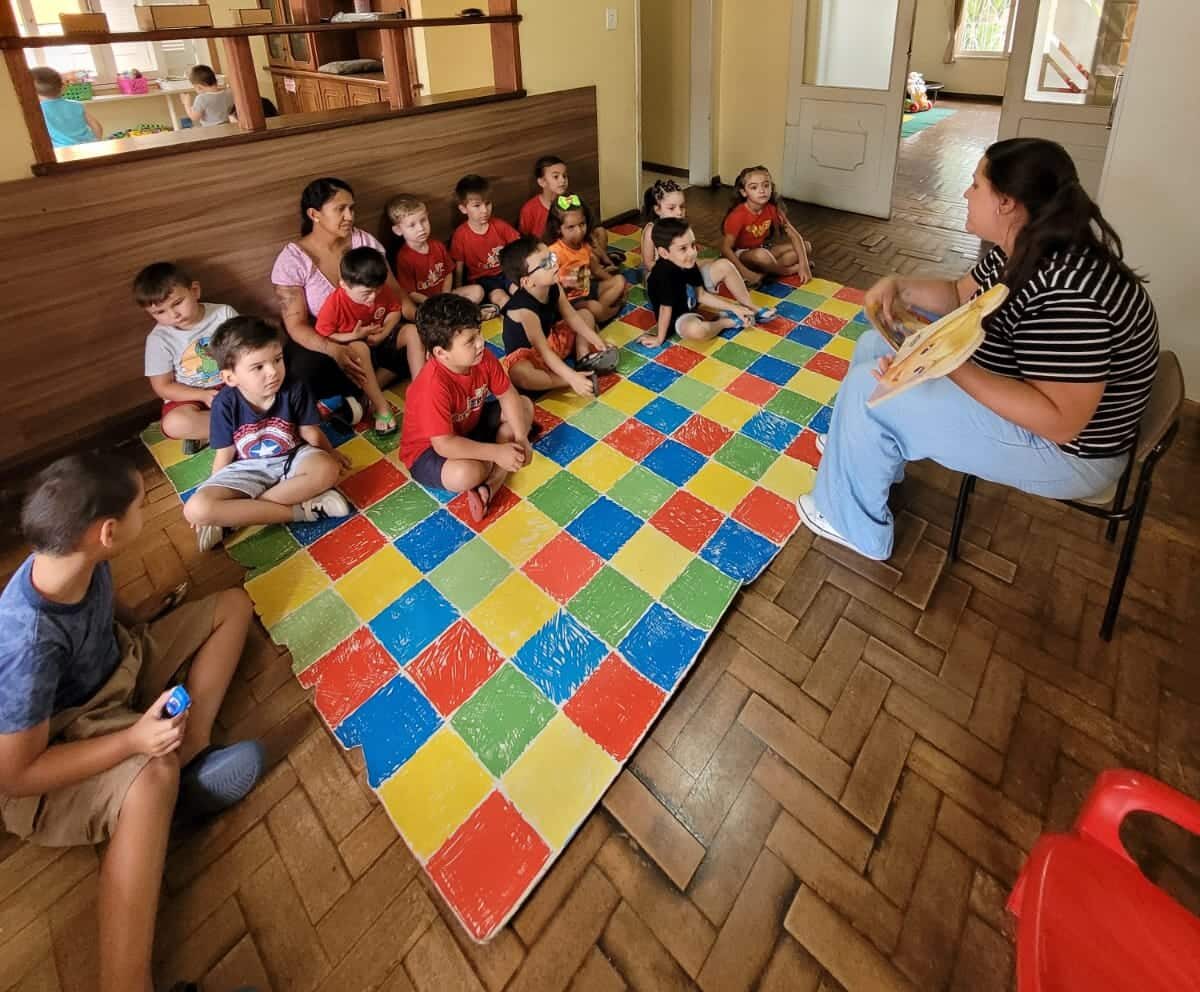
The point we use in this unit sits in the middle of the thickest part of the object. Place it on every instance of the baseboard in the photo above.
(624, 217)
(971, 97)
(667, 170)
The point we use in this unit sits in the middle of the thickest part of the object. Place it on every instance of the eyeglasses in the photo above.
(566, 202)
(549, 262)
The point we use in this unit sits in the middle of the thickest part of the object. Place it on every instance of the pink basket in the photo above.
(138, 84)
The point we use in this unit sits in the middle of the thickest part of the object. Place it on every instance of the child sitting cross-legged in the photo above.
(590, 284)
(272, 463)
(541, 328)
(676, 288)
(476, 243)
(454, 436)
(362, 315)
(423, 266)
(87, 755)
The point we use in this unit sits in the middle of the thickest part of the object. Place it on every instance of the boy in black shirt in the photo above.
(675, 288)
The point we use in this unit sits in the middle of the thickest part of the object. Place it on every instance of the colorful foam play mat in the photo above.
(497, 675)
(915, 123)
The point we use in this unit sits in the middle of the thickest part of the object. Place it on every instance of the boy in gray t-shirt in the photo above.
(178, 364)
(212, 103)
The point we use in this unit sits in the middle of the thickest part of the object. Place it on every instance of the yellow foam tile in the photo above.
(395, 394)
(789, 478)
(757, 340)
(434, 791)
(763, 299)
(512, 612)
(841, 308)
(821, 287)
(521, 533)
(601, 466)
(564, 403)
(286, 587)
(628, 397)
(377, 582)
(168, 453)
(813, 385)
(652, 560)
(728, 410)
(620, 333)
(558, 779)
(360, 451)
(704, 347)
(531, 476)
(713, 372)
(719, 486)
(842, 347)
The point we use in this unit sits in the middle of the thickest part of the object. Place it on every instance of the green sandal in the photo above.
(385, 423)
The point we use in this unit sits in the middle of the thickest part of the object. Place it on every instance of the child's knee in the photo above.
(157, 784)
(461, 474)
(198, 509)
(326, 470)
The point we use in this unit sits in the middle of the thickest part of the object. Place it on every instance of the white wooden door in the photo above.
(849, 64)
(1065, 74)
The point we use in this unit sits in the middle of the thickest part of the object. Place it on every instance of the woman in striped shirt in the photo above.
(1051, 401)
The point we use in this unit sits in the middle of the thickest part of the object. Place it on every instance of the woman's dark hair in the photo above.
(557, 214)
(666, 230)
(655, 194)
(1040, 175)
(70, 495)
(739, 191)
(316, 194)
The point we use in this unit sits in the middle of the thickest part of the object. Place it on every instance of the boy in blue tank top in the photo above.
(66, 120)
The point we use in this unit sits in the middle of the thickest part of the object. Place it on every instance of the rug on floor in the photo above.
(915, 123)
(498, 675)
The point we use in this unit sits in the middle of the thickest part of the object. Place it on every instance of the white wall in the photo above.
(931, 29)
(1149, 192)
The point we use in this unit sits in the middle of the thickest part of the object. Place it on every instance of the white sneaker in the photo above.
(208, 536)
(819, 524)
(355, 413)
(820, 443)
(330, 503)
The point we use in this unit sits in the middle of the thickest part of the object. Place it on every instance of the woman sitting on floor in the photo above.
(1051, 401)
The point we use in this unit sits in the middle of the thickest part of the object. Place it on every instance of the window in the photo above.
(985, 28)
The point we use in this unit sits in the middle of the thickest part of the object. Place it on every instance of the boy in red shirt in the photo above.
(362, 314)
(476, 243)
(454, 437)
(423, 267)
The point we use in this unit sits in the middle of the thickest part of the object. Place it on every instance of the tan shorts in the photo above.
(153, 656)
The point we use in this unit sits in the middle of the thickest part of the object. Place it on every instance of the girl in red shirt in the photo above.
(589, 283)
(757, 236)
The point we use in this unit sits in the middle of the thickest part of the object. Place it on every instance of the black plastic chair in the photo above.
(1156, 432)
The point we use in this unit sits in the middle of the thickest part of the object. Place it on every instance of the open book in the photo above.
(934, 350)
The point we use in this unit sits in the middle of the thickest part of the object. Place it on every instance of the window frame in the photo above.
(1010, 30)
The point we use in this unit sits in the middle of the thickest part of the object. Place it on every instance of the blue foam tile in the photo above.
(560, 657)
(776, 289)
(413, 622)
(632, 276)
(793, 311)
(627, 308)
(665, 416)
(433, 540)
(809, 336)
(774, 370)
(187, 494)
(738, 551)
(390, 726)
(495, 349)
(564, 444)
(654, 376)
(604, 527)
(821, 419)
(773, 431)
(661, 646)
(675, 462)
(644, 350)
(336, 433)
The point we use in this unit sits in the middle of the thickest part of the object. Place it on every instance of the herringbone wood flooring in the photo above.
(839, 797)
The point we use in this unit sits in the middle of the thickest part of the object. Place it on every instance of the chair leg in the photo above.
(1118, 503)
(1125, 562)
(960, 514)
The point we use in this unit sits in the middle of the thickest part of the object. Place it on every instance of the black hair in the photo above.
(316, 194)
(238, 335)
(666, 230)
(655, 194)
(472, 184)
(364, 267)
(514, 256)
(441, 317)
(739, 190)
(543, 163)
(556, 215)
(203, 75)
(71, 494)
(1040, 175)
(154, 283)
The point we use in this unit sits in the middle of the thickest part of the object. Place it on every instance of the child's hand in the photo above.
(650, 341)
(570, 280)
(804, 270)
(367, 330)
(156, 735)
(342, 459)
(581, 383)
(209, 396)
(510, 455)
(378, 337)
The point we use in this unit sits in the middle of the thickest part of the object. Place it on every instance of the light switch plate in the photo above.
(610, 18)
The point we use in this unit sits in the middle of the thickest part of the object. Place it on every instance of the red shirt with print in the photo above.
(339, 313)
(421, 273)
(441, 402)
(533, 217)
(749, 229)
(480, 253)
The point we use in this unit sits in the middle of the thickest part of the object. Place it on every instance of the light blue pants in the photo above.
(867, 448)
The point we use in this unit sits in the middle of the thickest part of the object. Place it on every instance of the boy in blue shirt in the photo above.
(66, 120)
(86, 754)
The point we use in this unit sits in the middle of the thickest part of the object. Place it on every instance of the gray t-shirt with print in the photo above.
(184, 350)
(216, 107)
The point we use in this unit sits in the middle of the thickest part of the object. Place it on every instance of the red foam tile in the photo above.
(501, 503)
(828, 365)
(454, 666)
(487, 864)
(625, 230)
(823, 321)
(792, 280)
(778, 325)
(752, 389)
(348, 675)
(546, 419)
(703, 435)
(804, 449)
(615, 706)
(372, 483)
(687, 520)
(767, 513)
(680, 359)
(850, 295)
(640, 318)
(563, 567)
(351, 544)
(606, 382)
(634, 439)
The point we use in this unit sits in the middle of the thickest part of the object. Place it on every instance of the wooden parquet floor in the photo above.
(839, 797)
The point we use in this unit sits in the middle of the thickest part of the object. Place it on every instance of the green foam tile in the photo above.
(701, 594)
(192, 471)
(504, 715)
(264, 549)
(790, 351)
(598, 420)
(315, 628)
(400, 510)
(640, 491)
(690, 393)
(563, 498)
(609, 605)
(737, 355)
(747, 456)
(795, 407)
(468, 575)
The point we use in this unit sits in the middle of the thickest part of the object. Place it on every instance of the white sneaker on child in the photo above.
(820, 444)
(819, 524)
(208, 536)
(330, 503)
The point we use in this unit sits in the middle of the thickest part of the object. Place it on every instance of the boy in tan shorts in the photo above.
(86, 754)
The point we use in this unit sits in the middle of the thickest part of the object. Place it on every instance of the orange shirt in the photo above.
(574, 261)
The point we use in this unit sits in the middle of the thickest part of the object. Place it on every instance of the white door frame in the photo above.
(702, 98)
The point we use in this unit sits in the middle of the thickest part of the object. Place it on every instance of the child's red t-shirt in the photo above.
(419, 273)
(533, 217)
(480, 253)
(749, 229)
(339, 313)
(441, 402)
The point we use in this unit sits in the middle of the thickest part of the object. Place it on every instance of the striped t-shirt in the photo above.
(1077, 320)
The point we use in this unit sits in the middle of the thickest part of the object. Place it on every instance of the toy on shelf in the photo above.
(916, 97)
(139, 130)
(132, 82)
(77, 85)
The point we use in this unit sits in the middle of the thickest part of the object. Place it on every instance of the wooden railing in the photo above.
(239, 63)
